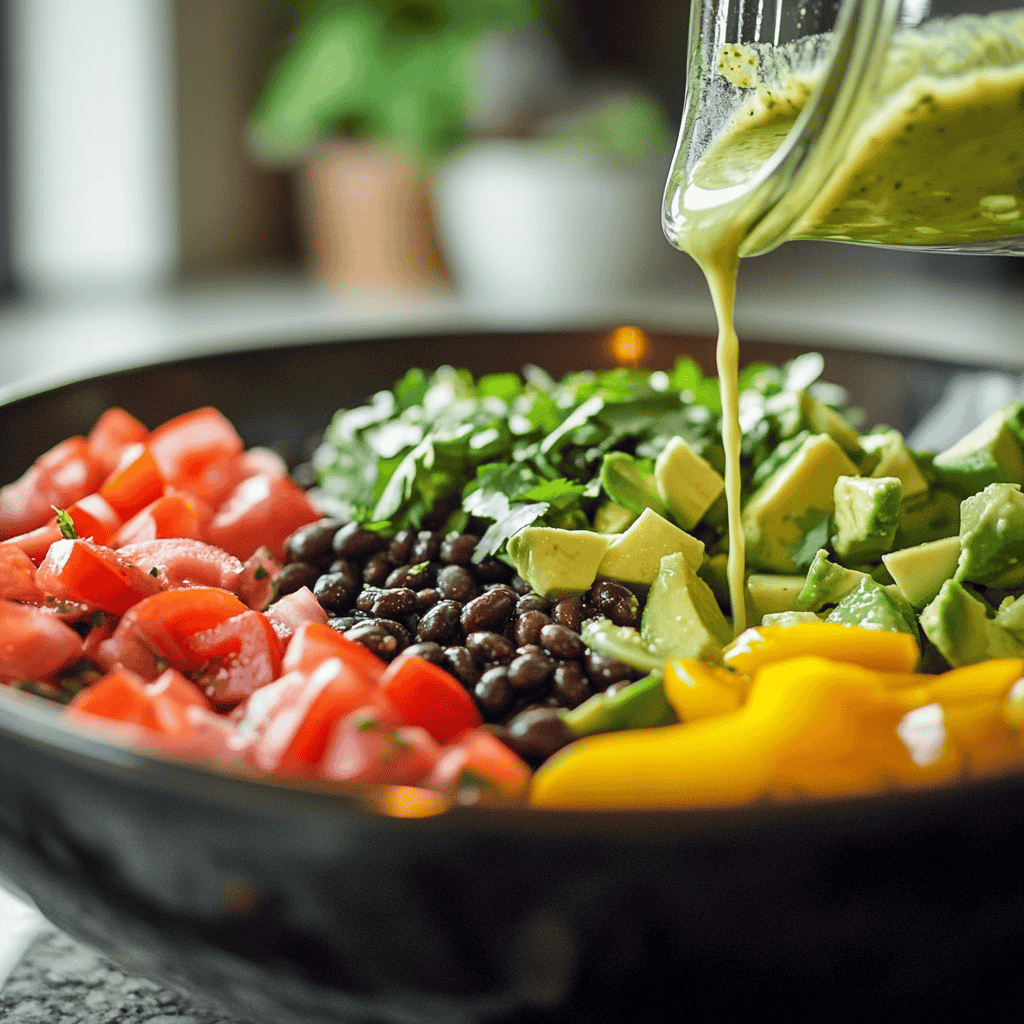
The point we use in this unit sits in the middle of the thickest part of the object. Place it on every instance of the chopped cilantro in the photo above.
(260, 573)
(66, 524)
(155, 571)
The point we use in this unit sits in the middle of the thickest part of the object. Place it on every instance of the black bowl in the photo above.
(292, 903)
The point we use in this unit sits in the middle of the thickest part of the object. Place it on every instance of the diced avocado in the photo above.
(629, 485)
(992, 537)
(641, 705)
(823, 419)
(1011, 616)
(686, 483)
(894, 459)
(613, 518)
(826, 583)
(769, 594)
(623, 643)
(920, 571)
(788, 618)
(558, 563)
(989, 454)
(872, 606)
(1013, 417)
(798, 494)
(682, 618)
(930, 516)
(867, 514)
(958, 624)
(635, 557)
(776, 458)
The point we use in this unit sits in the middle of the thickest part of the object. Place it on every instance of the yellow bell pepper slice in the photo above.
(879, 649)
(698, 690)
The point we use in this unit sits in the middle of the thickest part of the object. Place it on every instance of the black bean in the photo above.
(490, 648)
(425, 547)
(367, 596)
(561, 641)
(400, 547)
(434, 653)
(493, 693)
(427, 598)
(532, 649)
(312, 543)
(342, 623)
(415, 577)
(529, 625)
(393, 604)
(603, 671)
(441, 623)
(376, 569)
(491, 570)
(352, 541)
(568, 612)
(491, 610)
(375, 637)
(460, 663)
(334, 591)
(294, 576)
(519, 585)
(349, 568)
(536, 734)
(569, 685)
(529, 670)
(457, 548)
(456, 583)
(615, 602)
(533, 603)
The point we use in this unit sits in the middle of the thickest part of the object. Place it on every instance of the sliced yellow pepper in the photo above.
(698, 690)
(879, 649)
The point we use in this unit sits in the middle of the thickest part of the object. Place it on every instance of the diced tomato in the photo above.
(254, 584)
(18, 575)
(427, 696)
(291, 724)
(37, 542)
(369, 747)
(262, 511)
(78, 570)
(102, 629)
(187, 445)
(94, 518)
(294, 609)
(314, 643)
(33, 644)
(161, 705)
(176, 514)
(113, 432)
(58, 478)
(165, 622)
(262, 460)
(479, 768)
(134, 483)
(243, 654)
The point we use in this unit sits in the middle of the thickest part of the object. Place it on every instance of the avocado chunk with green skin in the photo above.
(682, 618)
(687, 484)
(920, 571)
(826, 583)
(823, 419)
(958, 624)
(635, 557)
(894, 459)
(872, 606)
(1011, 616)
(769, 594)
(641, 705)
(989, 454)
(629, 485)
(929, 516)
(613, 518)
(992, 537)
(558, 563)
(798, 494)
(867, 514)
(623, 643)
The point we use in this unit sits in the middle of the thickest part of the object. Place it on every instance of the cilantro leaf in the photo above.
(66, 524)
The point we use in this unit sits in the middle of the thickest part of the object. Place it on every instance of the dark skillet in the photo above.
(294, 904)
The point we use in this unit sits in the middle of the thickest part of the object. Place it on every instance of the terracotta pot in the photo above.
(368, 219)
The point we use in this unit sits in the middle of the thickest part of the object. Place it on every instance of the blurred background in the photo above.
(184, 174)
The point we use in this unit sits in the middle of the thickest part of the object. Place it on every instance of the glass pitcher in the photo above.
(885, 122)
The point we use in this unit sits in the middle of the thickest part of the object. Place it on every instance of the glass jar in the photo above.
(884, 122)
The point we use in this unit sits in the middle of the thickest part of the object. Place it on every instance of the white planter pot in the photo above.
(535, 222)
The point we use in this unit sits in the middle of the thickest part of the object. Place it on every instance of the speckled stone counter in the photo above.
(59, 981)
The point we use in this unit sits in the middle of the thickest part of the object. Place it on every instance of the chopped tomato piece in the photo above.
(34, 644)
(18, 575)
(427, 696)
(161, 705)
(94, 518)
(113, 432)
(243, 654)
(177, 514)
(165, 622)
(78, 570)
(135, 482)
(294, 609)
(37, 542)
(314, 643)
(187, 445)
(262, 511)
(369, 747)
(254, 583)
(480, 769)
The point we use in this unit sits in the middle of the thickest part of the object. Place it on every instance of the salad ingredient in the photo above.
(688, 484)
(992, 537)
(94, 576)
(638, 705)
(920, 571)
(866, 517)
(427, 696)
(635, 557)
(558, 563)
(960, 626)
(34, 644)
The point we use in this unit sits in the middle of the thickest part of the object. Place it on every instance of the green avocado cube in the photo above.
(894, 459)
(929, 516)
(958, 624)
(920, 571)
(688, 484)
(635, 557)
(872, 606)
(558, 563)
(629, 485)
(826, 583)
(769, 594)
(867, 514)
(1011, 616)
(798, 494)
(989, 454)
(823, 419)
(992, 537)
